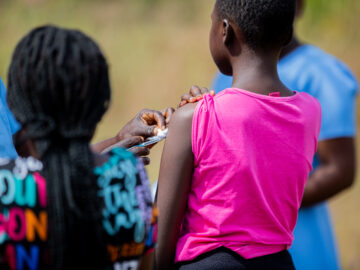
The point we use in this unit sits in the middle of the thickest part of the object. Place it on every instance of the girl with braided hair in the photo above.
(65, 207)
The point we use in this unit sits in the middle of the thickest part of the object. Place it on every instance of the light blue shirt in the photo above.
(8, 126)
(312, 70)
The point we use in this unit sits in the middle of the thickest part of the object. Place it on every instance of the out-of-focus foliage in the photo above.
(320, 9)
(334, 16)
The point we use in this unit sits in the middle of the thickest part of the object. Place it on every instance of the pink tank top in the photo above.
(253, 154)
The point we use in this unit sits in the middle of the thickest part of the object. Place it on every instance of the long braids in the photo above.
(59, 90)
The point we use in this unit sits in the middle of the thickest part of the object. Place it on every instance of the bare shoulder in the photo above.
(184, 114)
(180, 128)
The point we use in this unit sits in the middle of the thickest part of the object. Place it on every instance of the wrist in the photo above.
(119, 137)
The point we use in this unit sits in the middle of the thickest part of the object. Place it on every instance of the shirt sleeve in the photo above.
(336, 92)
(14, 125)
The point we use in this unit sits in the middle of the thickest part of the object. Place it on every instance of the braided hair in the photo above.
(58, 89)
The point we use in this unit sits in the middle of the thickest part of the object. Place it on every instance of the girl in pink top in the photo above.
(234, 166)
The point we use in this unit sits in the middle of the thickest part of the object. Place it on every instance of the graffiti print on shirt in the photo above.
(23, 215)
(127, 214)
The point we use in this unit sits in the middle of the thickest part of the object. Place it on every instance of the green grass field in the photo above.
(158, 49)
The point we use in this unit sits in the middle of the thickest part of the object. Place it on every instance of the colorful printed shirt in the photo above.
(23, 215)
(129, 220)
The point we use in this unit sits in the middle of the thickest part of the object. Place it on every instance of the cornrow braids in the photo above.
(264, 23)
(58, 89)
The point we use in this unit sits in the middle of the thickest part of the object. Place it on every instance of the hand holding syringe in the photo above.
(161, 135)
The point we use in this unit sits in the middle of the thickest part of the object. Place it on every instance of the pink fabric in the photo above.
(253, 154)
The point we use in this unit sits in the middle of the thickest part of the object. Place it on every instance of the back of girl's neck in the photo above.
(258, 75)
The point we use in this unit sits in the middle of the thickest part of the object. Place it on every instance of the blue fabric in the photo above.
(311, 70)
(323, 76)
(8, 126)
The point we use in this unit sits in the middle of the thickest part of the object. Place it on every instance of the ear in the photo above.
(228, 32)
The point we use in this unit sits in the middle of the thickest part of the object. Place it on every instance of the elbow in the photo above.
(350, 171)
(348, 183)
(349, 180)
(347, 176)
(352, 174)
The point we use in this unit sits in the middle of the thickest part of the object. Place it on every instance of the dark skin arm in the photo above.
(174, 184)
(337, 156)
(336, 172)
(147, 262)
(145, 124)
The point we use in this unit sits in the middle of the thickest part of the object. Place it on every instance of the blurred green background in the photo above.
(157, 49)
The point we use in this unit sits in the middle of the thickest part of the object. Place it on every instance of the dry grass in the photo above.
(156, 54)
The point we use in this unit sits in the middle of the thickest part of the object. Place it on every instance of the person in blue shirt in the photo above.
(307, 68)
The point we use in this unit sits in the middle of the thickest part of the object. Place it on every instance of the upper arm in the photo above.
(174, 183)
(336, 92)
(147, 262)
(336, 172)
(339, 155)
